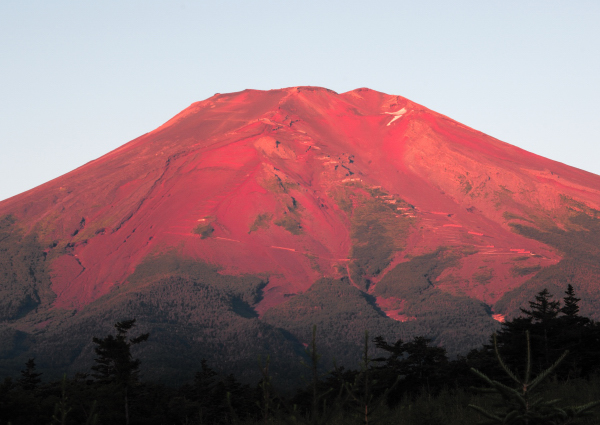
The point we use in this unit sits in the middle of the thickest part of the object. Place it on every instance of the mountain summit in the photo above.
(299, 206)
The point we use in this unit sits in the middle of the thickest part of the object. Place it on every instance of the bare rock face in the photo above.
(301, 185)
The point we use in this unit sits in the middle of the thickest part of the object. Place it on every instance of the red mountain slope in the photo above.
(269, 182)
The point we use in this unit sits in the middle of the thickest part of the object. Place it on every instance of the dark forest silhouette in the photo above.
(550, 348)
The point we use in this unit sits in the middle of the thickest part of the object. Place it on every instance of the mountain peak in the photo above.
(301, 184)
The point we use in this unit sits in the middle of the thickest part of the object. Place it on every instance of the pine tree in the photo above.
(576, 333)
(396, 354)
(543, 308)
(423, 362)
(204, 386)
(543, 313)
(320, 413)
(314, 365)
(62, 408)
(552, 330)
(267, 398)
(521, 405)
(570, 307)
(115, 364)
(30, 379)
(417, 363)
(362, 391)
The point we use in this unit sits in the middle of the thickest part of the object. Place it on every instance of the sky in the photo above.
(79, 79)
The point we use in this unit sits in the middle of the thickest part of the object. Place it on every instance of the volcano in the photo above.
(250, 216)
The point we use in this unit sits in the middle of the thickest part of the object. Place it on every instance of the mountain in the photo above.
(232, 228)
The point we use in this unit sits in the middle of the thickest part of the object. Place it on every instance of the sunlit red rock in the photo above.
(223, 163)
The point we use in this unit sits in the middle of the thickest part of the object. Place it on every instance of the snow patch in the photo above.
(397, 114)
(226, 239)
(286, 249)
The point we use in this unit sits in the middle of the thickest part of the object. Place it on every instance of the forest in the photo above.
(541, 367)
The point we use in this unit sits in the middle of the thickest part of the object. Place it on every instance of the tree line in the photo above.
(549, 344)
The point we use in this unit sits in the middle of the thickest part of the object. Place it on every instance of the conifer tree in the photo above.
(62, 408)
(361, 392)
(319, 409)
(570, 307)
(577, 334)
(552, 330)
(396, 354)
(423, 362)
(417, 362)
(543, 308)
(115, 364)
(521, 405)
(30, 379)
(543, 313)
(267, 399)
(204, 386)
(314, 364)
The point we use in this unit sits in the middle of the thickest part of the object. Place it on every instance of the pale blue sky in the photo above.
(80, 78)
